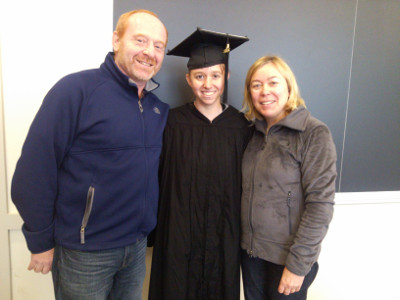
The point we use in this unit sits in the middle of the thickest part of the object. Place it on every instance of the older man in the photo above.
(86, 183)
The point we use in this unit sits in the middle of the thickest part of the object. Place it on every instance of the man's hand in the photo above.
(290, 282)
(41, 262)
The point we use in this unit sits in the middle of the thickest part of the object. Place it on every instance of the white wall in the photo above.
(41, 41)
(360, 256)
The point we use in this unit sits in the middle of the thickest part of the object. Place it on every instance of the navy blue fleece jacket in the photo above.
(87, 176)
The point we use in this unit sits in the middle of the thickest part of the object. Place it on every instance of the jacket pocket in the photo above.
(289, 205)
(88, 210)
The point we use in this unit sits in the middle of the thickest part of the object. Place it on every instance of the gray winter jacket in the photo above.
(288, 191)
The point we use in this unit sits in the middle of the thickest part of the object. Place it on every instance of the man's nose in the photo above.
(149, 49)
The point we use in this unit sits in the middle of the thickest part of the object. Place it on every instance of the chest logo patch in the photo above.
(156, 110)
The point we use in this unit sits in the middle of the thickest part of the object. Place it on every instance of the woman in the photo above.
(289, 172)
(197, 243)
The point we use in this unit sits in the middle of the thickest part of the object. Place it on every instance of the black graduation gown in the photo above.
(197, 243)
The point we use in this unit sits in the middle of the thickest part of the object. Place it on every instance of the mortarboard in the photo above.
(206, 48)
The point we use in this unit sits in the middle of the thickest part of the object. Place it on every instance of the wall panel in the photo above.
(343, 53)
(371, 160)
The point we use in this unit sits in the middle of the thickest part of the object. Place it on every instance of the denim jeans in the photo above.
(99, 275)
(261, 280)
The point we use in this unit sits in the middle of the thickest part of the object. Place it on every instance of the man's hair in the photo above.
(123, 20)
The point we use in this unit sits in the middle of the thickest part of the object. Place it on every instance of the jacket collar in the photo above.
(296, 120)
(110, 66)
(150, 85)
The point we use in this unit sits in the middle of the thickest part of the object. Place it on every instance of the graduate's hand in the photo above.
(41, 262)
(290, 282)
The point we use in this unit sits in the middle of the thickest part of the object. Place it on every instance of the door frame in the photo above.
(8, 221)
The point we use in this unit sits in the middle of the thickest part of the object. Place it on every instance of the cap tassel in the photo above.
(228, 46)
(226, 52)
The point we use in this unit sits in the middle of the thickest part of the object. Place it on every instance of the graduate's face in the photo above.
(207, 84)
(269, 93)
(139, 53)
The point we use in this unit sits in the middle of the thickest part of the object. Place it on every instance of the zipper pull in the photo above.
(140, 106)
(250, 253)
(82, 235)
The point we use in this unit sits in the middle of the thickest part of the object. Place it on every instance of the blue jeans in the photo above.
(99, 275)
(261, 280)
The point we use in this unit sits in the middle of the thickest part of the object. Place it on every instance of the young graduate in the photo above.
(196, 251)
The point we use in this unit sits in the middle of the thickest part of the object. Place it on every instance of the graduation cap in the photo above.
(206, 48)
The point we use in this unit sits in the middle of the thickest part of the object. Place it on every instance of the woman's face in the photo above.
(207, 84)
(269, 93)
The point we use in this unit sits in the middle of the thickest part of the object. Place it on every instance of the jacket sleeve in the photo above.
(318, 169)
(34, 184)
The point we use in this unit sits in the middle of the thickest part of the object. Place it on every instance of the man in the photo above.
(86, 183)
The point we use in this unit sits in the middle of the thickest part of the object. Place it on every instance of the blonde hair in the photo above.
(294, 100)
(123, 20)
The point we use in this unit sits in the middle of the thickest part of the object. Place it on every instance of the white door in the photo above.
(16, 282)
(39, 44)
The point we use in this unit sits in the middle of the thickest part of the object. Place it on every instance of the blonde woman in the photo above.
(289, 172)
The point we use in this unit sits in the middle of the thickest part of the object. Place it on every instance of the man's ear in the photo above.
(115, 41)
